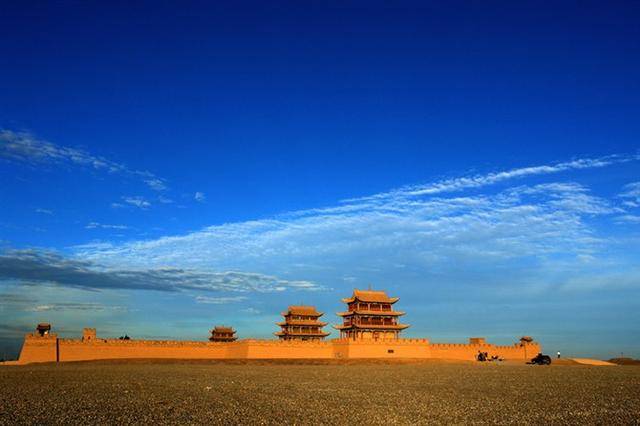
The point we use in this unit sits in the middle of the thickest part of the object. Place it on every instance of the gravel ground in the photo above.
(276, 393)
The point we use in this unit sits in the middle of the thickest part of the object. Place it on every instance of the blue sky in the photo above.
(165, 168)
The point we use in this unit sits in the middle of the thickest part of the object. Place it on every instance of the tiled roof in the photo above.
(303, 310)
(370, 296)
(220, 329)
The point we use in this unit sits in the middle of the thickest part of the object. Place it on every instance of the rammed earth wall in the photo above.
(51, 349)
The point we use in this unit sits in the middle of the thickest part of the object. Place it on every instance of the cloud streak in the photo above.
(415, 235)
(137, 201)
(403, 238)
(219, 300)
(631, 194)
(96, 225)
(45, 267)
(74, 306)
(26, 148)
(478, 181)
(199, 197)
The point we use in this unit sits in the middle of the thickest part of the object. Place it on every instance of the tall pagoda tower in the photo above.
(370, 315)
(301, 323)
(222, 334)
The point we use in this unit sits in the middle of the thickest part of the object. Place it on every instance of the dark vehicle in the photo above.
(541, 360)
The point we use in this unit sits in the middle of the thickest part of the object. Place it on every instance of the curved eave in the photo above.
(372, 326)
(351, 299)
(316, 314)
(280, 333)
(381, 313)
(310, 323)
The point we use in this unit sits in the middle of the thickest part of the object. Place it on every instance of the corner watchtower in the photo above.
(43, 329)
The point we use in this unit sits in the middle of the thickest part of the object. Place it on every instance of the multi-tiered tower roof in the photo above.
(222, 334)
(370, 315)
(301, 323)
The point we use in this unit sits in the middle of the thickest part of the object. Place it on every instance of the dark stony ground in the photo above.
(294, 393)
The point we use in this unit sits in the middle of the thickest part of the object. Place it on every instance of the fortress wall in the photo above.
(470, 351)
(392, 348)
(39, 349)
(237, 350)
(50, 349)
(78, 350)
(270, 349)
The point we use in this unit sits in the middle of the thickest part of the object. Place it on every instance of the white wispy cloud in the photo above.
(156, 184)
(520, 231)
(199, 197)
(478, 181)
(97, 225)
(44, 211)
(609, 280)
(628, 218)
(136, 201)
(425, 234)
(631, 195)
(570, 196)
(222, 300)
(25, 147)
(74, 306)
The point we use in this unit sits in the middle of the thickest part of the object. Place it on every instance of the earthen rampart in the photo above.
(50, 348)
(518, 351)
(39, 348)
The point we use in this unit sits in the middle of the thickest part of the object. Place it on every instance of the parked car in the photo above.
(541, 360)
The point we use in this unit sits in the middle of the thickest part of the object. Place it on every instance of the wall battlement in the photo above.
(50, 348)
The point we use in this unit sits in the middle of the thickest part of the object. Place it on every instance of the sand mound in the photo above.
(625, 361)
(563, 361)
(587, 361)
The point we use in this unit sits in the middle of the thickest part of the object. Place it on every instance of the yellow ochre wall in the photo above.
(518, 351)
(38, 348)
(51, 349)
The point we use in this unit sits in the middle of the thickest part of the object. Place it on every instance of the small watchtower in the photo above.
(43, 329)
(222, 334)
(88, 334)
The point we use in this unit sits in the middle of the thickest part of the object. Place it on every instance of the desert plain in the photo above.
(193, 392)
